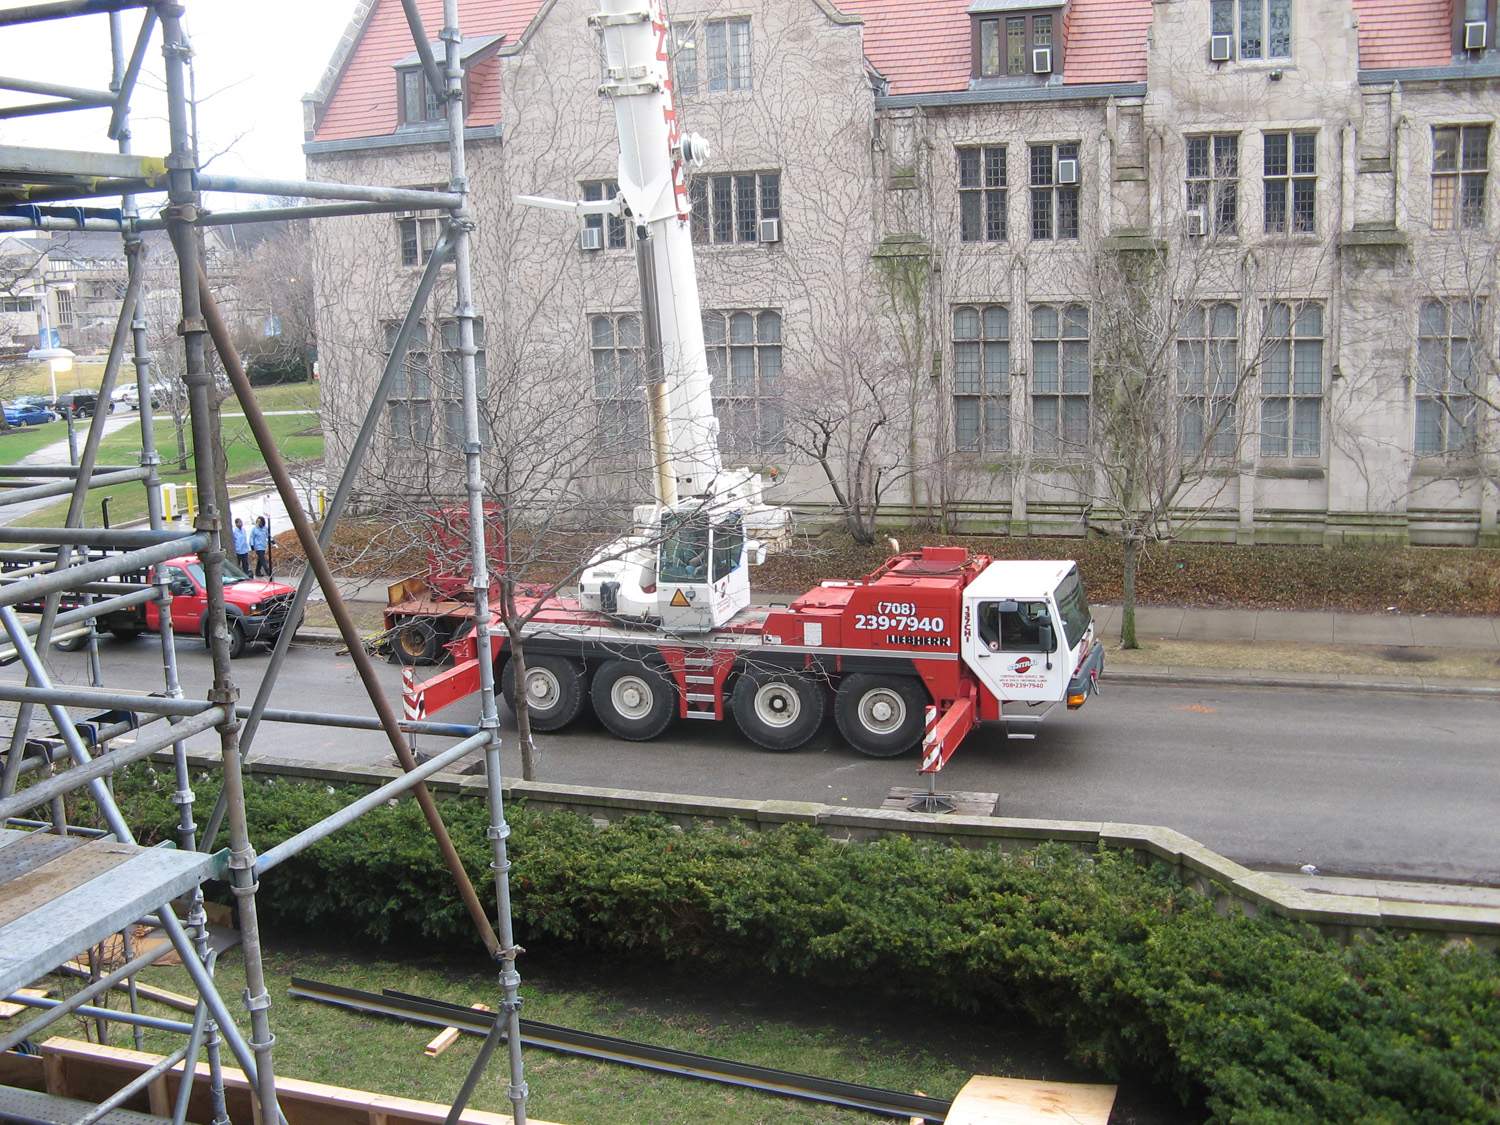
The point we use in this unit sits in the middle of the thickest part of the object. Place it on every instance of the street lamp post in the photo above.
(59, 359)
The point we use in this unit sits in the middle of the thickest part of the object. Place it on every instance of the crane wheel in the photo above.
(633, 701)
(554, 690)
(881, 716)
(778, 709)
(415, 641)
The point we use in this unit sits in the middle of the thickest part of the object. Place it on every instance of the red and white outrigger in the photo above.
(916, 654)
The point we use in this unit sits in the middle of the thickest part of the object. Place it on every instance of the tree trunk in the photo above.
(518, 663)
(1127, 605)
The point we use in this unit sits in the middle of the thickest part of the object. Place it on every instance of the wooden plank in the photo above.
(967, 803)
(987, 1100)
(449, 1036)
(60, 874)
(7, 1009)
(303, 1102)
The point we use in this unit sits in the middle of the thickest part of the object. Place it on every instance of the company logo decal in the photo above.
(1021, 666)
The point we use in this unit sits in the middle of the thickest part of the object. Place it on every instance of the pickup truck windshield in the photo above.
(232, 574)
(1074, 607)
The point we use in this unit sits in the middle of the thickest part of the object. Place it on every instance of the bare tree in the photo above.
(1147, 398)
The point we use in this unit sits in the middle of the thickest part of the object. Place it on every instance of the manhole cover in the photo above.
(1400, 654)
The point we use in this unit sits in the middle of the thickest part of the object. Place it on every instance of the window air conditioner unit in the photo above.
(1067, 171)
(591, 238)
(1041, 60)
(1220, 47)
(770, 230)
(1197, 223)
(1476, 35)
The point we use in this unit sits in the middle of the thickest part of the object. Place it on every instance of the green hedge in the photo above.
(1259, 1019)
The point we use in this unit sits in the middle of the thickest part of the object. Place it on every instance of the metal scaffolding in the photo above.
(69, 576)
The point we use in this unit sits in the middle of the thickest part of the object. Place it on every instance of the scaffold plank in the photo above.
(43, 165)
(30, 851)
(83, 896)
(32, 1105)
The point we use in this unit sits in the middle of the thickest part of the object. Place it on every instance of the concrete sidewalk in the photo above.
(1181, 623)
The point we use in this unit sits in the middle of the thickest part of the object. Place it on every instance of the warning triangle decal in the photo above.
(679, 599)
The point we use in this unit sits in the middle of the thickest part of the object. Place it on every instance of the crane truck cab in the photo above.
(1027, 633)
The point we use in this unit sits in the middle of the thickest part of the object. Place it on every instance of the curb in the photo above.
(1170, 678)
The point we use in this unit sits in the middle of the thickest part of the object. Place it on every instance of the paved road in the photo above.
(1389, 785)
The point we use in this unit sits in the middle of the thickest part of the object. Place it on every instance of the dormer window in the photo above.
(1474, 28)
(1015, 39)
(416, 102)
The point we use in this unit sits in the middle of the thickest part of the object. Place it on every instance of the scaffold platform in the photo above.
(61, 894)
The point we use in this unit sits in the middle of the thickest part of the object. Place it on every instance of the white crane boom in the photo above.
(686, 565)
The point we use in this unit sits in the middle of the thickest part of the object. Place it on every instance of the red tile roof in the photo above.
(922, 46)
(1106, 41)
(363, 102)
(1398, 33)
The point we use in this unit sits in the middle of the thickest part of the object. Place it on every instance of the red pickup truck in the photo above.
(257, 609)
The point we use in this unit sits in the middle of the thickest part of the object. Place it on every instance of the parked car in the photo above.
(129, 396)
(80, 404)
(17, 414)
(41, 401)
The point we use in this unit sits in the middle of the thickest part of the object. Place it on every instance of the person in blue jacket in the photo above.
(260, 543)
(241, 546)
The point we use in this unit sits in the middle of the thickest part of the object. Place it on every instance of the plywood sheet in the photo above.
(987, 1100)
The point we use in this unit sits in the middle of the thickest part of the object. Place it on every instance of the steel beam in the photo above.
(93, 536)
(374, 413)
(63, 487)
(121, 112)
(106, 764)
(40, 109)
(435, 79)
(412, 198)
(62, 9)
(20, 162)
(354, 810)
(52, 89)
(58, 580)
(317, 562)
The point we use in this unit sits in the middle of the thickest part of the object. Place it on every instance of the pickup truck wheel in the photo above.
(72, 644)
(778, 709)
(881, 716)
(236, 640)
(415, 642)
(554, 690)
(633, 702)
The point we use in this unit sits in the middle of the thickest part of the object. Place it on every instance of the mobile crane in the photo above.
(917, 653)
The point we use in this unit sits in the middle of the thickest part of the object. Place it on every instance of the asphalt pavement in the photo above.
(1389, 785)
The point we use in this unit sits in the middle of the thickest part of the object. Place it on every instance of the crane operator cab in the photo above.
(702, 569)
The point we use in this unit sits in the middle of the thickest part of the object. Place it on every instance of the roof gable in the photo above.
(360, 88)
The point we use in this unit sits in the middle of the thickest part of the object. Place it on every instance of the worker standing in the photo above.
(241, 546)
(260, 543)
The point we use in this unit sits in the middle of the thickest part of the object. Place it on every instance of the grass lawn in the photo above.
(128, 501)
(35, 379)
(757, 1021)
(23, 441)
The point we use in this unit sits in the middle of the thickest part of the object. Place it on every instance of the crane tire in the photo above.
(554, 690)
(778, 708)
(881, 716)
(415, 641)
(633, 700)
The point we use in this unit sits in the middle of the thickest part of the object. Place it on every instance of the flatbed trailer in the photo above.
(917, 654)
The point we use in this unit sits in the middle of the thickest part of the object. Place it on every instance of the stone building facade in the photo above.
(898, 229)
